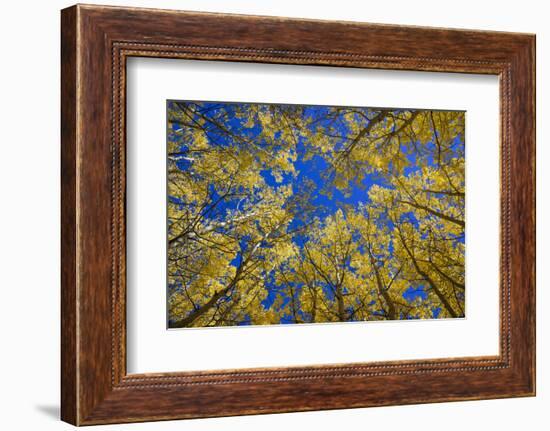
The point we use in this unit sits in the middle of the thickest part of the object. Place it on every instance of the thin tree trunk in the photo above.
(424, 275)
(391, 312)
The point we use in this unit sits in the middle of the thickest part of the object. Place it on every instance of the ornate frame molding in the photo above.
(96, 41)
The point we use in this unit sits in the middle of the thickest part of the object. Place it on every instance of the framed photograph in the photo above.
(266, 215)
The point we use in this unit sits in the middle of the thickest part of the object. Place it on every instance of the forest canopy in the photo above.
(305, 214)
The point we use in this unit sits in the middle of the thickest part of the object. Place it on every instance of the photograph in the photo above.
(286, 214)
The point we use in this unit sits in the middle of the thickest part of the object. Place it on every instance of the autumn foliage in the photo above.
(303, 214)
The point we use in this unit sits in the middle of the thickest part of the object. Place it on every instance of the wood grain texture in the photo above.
(69, 397)
(96, 41)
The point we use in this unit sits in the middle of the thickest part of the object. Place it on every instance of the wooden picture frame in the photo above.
(95, 43)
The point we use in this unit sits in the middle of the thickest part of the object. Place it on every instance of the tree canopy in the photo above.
(304, 214)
